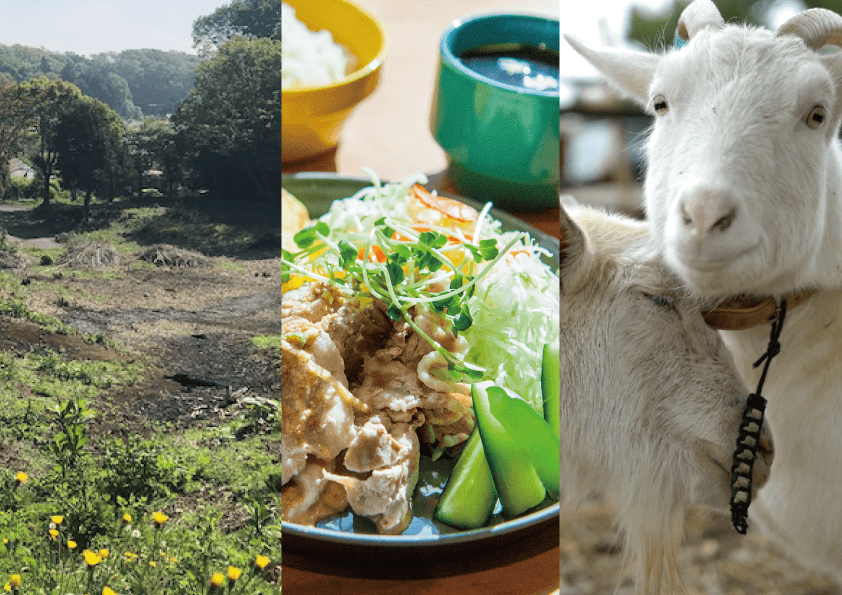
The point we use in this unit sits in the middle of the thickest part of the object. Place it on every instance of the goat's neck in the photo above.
(824, 270)
(812, 333)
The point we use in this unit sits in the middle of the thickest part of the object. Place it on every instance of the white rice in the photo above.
(309, 58)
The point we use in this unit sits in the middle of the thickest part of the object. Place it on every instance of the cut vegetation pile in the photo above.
(10, 256)
(14, 260)
(90, 256)
(173, 256)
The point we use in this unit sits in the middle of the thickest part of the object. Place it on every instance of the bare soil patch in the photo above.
(187, 315)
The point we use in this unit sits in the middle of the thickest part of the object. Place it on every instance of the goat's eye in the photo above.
(815, 117)
(662, 301)
(659, 103)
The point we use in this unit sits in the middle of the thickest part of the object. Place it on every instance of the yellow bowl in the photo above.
(312, 117)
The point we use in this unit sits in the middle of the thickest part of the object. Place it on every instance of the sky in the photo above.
(603, 22)
(597, 23)
(93, 26)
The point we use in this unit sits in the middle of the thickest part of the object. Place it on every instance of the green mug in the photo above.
(501, 139)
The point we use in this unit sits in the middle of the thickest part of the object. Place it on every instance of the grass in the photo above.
(52, 375)
(93, 501)
(149, 512)
(268, 342)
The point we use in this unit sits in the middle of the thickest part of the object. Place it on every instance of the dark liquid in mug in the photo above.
(516, 64)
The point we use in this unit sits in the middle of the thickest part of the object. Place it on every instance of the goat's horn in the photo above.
(817, 27)
(697, 16)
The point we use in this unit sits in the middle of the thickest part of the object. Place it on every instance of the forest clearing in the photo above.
(138, 376)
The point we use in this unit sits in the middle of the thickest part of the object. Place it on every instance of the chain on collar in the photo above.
(749, 435)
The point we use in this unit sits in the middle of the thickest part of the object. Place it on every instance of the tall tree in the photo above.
(16, 117)
(151, 145)
(248, 18)
(230, 122)
(48, 100)
(89, 143)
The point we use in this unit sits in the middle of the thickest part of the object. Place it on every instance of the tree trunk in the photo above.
(46, 189)
(261, 183)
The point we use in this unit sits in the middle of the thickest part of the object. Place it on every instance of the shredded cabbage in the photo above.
(516, 305)
(516, 311)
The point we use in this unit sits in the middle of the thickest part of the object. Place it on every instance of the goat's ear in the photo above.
(631, 72)
(833, 63)
(575, 254)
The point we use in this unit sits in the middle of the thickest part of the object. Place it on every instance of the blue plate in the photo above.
(317, 191)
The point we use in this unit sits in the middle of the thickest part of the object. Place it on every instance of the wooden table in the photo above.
(389, 132)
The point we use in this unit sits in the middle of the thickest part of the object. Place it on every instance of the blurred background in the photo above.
(603, 136)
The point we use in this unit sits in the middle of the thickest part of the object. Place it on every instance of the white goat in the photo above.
(650, 399)
(744, 192)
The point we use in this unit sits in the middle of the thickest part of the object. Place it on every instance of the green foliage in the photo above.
(248, 18)
(228, 127)
(21, 187)
(17, 308)
(52, 375)
(142, 470)
(89, 143)
(262, 416)
(657, 29)
(71, 416)
(101, 521)
(133, 83)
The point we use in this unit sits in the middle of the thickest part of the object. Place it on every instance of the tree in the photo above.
(16, 116)
(98, 80)
(657, 29)
(229, 124)
(47, 100)
(152, 146)
(248, 18)
(89, 144)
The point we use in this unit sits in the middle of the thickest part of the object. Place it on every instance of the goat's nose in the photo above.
(705, 210)
(763, 462)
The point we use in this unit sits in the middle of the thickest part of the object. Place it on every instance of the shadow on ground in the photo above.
(215, 228)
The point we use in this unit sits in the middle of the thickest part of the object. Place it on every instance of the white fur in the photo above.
(744, 197)
(657, 387)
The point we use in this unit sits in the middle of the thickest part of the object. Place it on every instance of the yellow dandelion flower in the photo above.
(153, 563)
(53, 534)
(57, 519)
(21, 477)
(7, 587)
(103, 554)
(131, 556)
(159, 517)
(262, 562)
(71, 544)
(127, 518)
(234, 573)
(108, 591)
(91, 558)
(15, 581)
(217, 579)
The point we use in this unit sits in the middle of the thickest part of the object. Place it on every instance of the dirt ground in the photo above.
(715, 559)
(188, 315)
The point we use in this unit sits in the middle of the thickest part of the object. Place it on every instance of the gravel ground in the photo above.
(715, 560)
